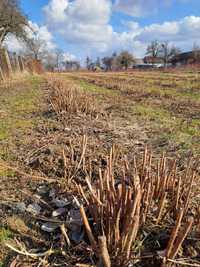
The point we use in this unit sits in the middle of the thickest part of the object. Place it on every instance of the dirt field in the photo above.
(42, 148)
(164, 106)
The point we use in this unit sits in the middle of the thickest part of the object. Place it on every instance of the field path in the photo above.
(34, 138)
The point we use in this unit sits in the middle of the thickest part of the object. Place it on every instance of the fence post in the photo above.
(21, 63)
(1, 74)
(6, 64)
(16, 60)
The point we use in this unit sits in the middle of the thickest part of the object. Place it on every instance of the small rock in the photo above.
(21, 207)
(52, 193)
(34, 163)
(77, 236)
(49, 227)
(48, 151)
(76, 225)
(42, 190)
(75, 217)
(60, 203)
(67, 129)
(58, 212)
(34, 209)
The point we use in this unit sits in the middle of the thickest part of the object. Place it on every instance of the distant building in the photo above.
(153, 60)
(148, 63)
(138, 61)
(191, 57)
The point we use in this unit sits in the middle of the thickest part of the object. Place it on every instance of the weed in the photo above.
(67, 97)
(5, 234)
(121, 207)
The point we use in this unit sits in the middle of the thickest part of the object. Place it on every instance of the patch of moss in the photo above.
(5, 234)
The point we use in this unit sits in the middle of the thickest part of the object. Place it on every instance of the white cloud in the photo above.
(136, 8)
(55, 10)
(13, 44)
(183, 32)
(83, 22)
(85, 26)
(141, 8)
(68, 57)
(16, 45)
(42, 33)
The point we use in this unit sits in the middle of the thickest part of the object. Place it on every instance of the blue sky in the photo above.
(99, 27)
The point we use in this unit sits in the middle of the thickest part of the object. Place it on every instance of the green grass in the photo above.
(153, 113)
(169, 127)
(20, 108)
(156, 112)
(89, 87)
(5, 234)
(6, 172)
(17, 104)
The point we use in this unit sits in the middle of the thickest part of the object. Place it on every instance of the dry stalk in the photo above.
(88, 229)
(67, 97)
(63, 230)
(174, 233)
(32, 255)
(104, 251)
(181, 238)
(161, 206)
(120, 206)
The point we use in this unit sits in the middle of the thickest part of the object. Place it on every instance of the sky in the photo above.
(100, 27)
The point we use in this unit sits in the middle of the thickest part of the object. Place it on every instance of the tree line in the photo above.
(155, 50)
(13, 21)
(115, 61)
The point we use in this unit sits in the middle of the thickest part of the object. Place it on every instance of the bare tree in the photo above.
(167, 52)
(49, 61)
(12, 20)
(59, 57)
(98, 62)
(89, 63)
(153, 49)
(35, 47)
(71, 65)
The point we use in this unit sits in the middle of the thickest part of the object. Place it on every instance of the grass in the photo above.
(176, 129)
(16, 105)
(20, 101)
(5, 172)
(129, 196)
(66, 97)
(5, 234)
(167, 104)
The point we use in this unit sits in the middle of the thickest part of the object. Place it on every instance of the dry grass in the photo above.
(15, 80)
(122, 207)
(68, 98)
(123, 200)
(166, 103)
(127, 199)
